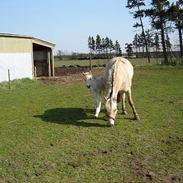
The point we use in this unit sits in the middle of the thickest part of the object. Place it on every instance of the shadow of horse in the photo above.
(69, 116)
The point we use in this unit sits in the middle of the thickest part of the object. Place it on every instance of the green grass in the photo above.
(47, 133)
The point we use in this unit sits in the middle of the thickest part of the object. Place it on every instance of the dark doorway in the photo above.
(42, 60)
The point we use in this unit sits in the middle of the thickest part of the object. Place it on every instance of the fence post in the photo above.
(90, 62)
(9, 79)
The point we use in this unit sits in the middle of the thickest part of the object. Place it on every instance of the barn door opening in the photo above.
(42, 61)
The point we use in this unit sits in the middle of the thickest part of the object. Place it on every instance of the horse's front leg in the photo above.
(97, 104)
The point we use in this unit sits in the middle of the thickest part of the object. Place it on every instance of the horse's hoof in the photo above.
(124, 113)
(95, 116)
(137, 118)
(110, 124)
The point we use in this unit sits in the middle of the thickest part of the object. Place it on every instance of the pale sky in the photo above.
(68, 23)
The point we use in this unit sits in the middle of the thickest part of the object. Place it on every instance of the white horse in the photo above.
(119, 74)
(97, 87)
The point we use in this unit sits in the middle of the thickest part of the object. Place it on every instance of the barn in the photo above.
(25, 57)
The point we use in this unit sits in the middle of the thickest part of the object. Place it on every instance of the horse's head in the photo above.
(111, 110)
(88, 78)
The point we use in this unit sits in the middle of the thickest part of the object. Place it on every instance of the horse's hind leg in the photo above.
(123, 104)
(121, 97)
(136, 116)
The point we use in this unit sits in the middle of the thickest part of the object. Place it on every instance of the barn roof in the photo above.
(34, 40)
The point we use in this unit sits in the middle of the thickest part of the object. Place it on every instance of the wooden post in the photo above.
(35, 71)
(49, 64)
(90, 62)
(9, 79)
(53, 64)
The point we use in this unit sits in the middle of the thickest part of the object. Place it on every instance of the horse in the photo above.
(97, 87)
(118, 76)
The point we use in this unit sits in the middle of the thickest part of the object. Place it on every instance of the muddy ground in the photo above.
(66, 75)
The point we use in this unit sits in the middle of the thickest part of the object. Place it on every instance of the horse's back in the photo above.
(125, 65)
(122, 71)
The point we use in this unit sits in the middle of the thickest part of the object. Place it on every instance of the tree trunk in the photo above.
(144, 36)
(163, 42)
(180, 42)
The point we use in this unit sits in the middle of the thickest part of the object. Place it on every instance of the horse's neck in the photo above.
(110, 79)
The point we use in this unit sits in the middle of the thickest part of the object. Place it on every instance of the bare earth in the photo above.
(64, 75)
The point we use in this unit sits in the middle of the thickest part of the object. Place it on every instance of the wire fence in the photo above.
(103, 62)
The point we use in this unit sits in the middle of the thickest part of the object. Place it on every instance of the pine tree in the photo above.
(111, 46)
(149, 36)
(139, 14)
(168, 43)
(98, 44)
(158, 14)
(107, 46)
(117, 48)
(175, 14)
(136, 44)
(129, 49)
(156, 43)
(93, 44)
(90, 43)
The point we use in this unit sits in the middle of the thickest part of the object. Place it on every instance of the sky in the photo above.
(68, 23)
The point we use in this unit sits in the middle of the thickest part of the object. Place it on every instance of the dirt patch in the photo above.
(140, 170)
(74, 78)
(66, 71)
(67, 75)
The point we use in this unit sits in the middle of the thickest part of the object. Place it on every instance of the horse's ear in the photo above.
(84, 76)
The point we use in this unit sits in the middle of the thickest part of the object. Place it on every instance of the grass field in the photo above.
(48, 134)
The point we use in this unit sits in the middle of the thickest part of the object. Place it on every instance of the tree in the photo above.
(129, 49)
(117, 48)
(168, 43)
(59, 54)
(141, 44)
(98, 44)
(175, 14)
(156, 42)
(90, 43)
(158, 14)
(149, 37)
(91, 46)
(139, 14)
(107, 46)
(111, 46)
(135, 43)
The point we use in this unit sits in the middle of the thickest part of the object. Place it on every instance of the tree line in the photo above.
(165, 17)
(103, 47)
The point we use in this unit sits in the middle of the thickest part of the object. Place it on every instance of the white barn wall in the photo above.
(19, 64)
